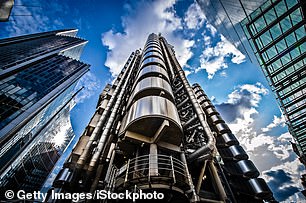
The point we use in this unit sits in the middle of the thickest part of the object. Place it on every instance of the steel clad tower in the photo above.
(153, 131)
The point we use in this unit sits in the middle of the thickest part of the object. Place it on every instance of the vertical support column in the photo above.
(200, 179)
(136, 173)
(218, 181)
(153, 162)
(110, 156)
(195, 196)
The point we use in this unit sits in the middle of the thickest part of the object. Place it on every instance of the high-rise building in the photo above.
(226, 15)
(38, 74)
(272, 34)
(154, 132)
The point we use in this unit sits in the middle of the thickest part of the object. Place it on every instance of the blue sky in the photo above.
(237, 87)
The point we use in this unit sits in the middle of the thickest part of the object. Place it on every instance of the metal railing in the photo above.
(150, 169)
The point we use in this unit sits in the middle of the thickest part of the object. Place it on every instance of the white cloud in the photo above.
(253, 92)
(194, 17)
(212, 98)
(277, 121)
(90, 83)
(292, 171)
(207, 40)
(143, 18)
(213, 58)
(187, 72)
(223, 74)
(36, 19)
(212, 29)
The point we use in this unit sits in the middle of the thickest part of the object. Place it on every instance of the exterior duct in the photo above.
(105, 133)
(243, 168)
(256, 187)
(236, 165)
(210, 145)
(234, 152)
(93, 137)
(226, 139)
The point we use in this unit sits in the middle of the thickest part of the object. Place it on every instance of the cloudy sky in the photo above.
(236, 86)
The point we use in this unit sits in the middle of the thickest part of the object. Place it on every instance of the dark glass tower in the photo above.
(152, 131)
(38, 74)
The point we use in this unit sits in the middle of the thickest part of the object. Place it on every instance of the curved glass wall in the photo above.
(15, 53)
(33, 165)
(23, 89)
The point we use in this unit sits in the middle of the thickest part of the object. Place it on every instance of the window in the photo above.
(300, 32)
(255, 13)
(285, 24)
(289, 70)
(303, 47)
(260, 24)
(259, 44)
(285, 59)
(276, 31)
(271, 52)
(266, 38)
(290, 39)
(296, 16)
(295, 53)
(291, 3)
(270, 16)
(281, 45)
(280, 8)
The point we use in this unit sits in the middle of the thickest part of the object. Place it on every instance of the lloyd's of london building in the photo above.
(153, 131)
(38, 74)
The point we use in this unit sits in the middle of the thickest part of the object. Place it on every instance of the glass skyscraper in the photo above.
(276, 32)
(38, 74)
(273, 33)
(226, 15)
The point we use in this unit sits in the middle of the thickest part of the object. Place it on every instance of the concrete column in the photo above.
(153, 162)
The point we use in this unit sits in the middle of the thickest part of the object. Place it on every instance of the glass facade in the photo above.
(38, 75)
(16, 53)
(32, 129)
(31, 168)
(276, 32)
(226, 15)
(21, 90)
